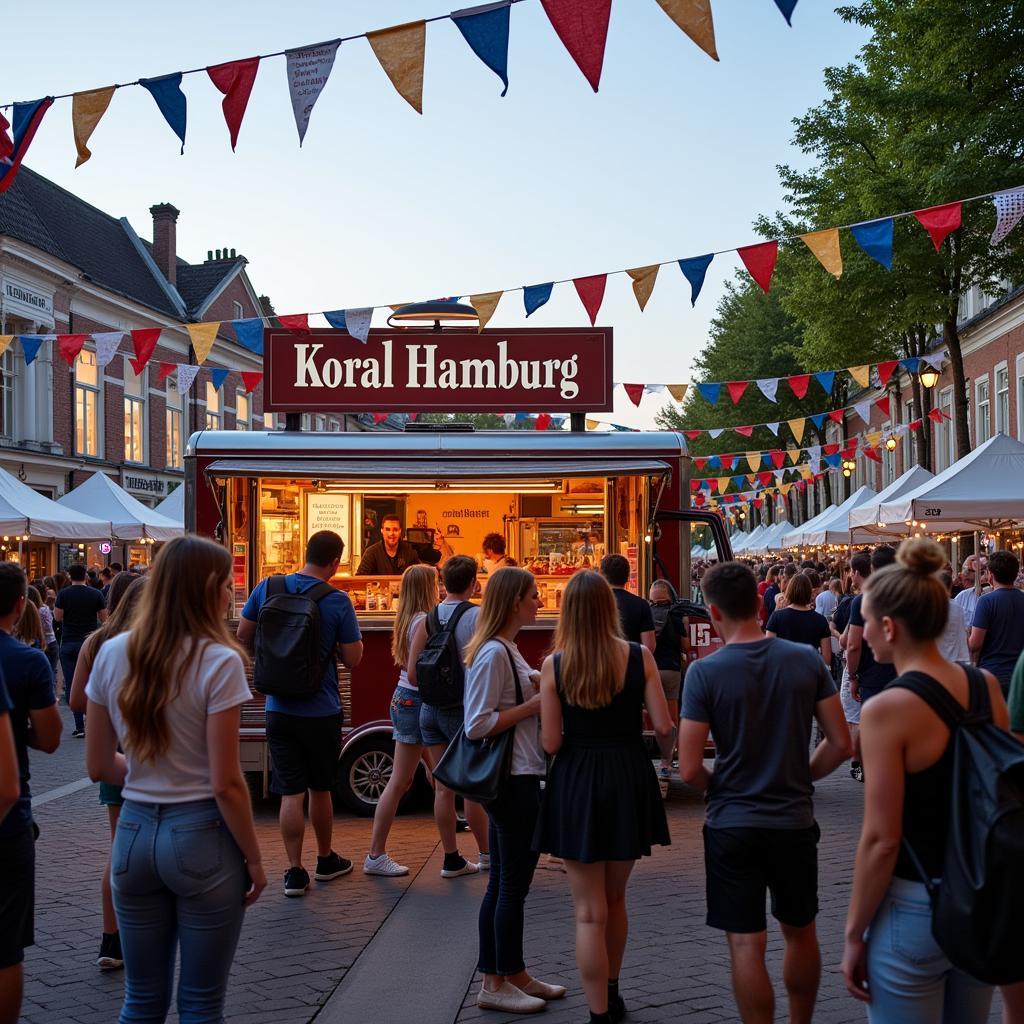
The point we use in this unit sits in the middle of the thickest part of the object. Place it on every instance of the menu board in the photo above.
(239, 575)
(330, 512)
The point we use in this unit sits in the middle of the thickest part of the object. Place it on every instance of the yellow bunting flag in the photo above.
(805, 472)
(86, 110)
(723, 484)
(754, 460)
(794, 455)
(593, 424)
(203, 337)
(873, 438)
(861, 374)
(694, 18)
(643, 283)
(485, 305)
(677, 391)
(401, 50)
(825, 245)
(797, 426)
(5, 340)
(784, 489)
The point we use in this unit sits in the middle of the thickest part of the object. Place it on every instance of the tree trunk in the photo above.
(961, 405)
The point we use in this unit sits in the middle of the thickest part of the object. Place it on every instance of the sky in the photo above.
(675, 156)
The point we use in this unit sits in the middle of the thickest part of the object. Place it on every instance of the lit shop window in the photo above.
(134, 414)
(175, 426)
(87, 404)
(213, 413)
(242, 411)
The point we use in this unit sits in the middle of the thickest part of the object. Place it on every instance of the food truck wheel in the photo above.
(363, 772)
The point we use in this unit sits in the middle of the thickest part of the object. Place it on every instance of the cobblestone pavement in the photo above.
(294, 953)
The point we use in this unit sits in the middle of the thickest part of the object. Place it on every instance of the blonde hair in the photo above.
(180, 612)
(418, 593)
(506, 586)
(912, 590)
(588, 637)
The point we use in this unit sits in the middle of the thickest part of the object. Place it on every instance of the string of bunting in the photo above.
(581, 26)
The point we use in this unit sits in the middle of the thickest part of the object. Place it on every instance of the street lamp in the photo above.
(891, 443)
(929, 377)
(848, 467)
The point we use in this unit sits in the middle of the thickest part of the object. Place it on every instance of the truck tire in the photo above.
(363, 772)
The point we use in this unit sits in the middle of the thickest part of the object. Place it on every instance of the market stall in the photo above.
(790, 538)
(749, 542)
(865, 516)
(771, 535)
(834, 527)
(173, 506)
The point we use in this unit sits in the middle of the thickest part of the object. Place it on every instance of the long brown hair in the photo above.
(418, 593)
(29, 628)
(122, 603)
(588, 637)
(179, 614)
(506, 586)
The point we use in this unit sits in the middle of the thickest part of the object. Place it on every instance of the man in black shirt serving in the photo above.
(391, 555)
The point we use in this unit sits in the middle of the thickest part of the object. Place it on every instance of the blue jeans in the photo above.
(178, 878)
(68, 660)
(405, 716)
(909, 977)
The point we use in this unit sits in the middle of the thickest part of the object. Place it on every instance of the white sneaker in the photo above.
(510, 999)
(467, 868)
(484, 864)
(383, 865)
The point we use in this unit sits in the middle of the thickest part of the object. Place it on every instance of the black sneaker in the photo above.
(78, 734)
(331, 866)
(296, 882)
(110, 957)
(461, 825)
(857, 771)
(616, 1009)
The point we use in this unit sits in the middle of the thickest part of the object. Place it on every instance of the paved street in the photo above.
(411, 941)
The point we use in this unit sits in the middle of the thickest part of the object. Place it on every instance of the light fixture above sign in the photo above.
(417, 314)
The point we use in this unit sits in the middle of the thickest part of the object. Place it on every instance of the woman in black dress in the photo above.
(602, 807)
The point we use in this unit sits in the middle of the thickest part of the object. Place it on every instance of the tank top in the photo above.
(403, 675)
(620, 722)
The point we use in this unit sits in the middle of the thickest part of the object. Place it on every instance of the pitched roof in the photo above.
(196, 281)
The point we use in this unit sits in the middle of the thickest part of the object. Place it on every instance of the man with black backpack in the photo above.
(297, 624)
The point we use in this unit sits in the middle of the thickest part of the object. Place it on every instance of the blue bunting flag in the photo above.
(166, 90)
(535, 295)
(485, 28)
(875, 238)
(694, 268)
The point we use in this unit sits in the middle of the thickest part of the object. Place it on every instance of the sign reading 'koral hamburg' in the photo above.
(455, 370)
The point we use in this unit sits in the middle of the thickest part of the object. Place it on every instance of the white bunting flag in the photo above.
(107, 344)
(717, 432)
(768, 387)
(1009, 210)
(308, 70)
(357, 322)
(773, 427)
(509, 418)
(655, 389)
(936, 359)
(863, 410)
(187, 373)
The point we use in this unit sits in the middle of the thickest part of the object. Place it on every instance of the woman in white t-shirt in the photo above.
(185, 861)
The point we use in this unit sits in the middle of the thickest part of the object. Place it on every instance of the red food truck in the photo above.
(560, 499)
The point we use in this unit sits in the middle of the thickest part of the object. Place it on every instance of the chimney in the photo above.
(165, 230)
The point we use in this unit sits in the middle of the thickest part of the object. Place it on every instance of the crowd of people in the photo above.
(820, 663)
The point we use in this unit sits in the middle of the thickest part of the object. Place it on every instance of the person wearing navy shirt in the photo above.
(997, 630)
(35, 722)
(304, 734)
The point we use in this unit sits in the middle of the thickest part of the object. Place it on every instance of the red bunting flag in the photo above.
(883, 404)
(137, 365)
(799, 383)
(635, 392)
(694, 485)
(582, 25)
(543, 421)
(935, 415)
(760, 262)
(830, 449)
(693, 434)
(916, 424)
(728, 461)
(295, 322)
(413, 416)
(166, 369)
(591, 293)
(745, 431)
(380, 417)
(778, 457)
(849, 453)
(836, 416)
(700, 464)
(70, 345)
(801, 485)
(886, 369)
(758, 502)
(251, 379)
(736, 389)
(144, 342)
(235, 80)
(765, 478)
(872, 454)
(939, 221)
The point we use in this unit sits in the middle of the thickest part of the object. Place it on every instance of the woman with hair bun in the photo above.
(891, 961)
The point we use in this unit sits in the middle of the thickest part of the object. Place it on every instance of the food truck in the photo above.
(560, 499)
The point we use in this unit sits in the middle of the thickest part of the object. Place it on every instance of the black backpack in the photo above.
(288, 660)
(440, 674)
(978, 906)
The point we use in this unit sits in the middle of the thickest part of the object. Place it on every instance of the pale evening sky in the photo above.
(674, 157)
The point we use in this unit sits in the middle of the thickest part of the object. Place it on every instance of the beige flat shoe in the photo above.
(542, 990)
(510, 999)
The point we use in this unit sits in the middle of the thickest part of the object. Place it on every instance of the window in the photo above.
(213, 415)
(320, 423)
(1002, 374)
(333, 425)
(87, 404)
(134, 414)
(268, 421)
(239, 312)
(242, 411)
(1020, 397)
(306, 421)
(175, 426)
(983, 409)
(945, 435)
(7, 394)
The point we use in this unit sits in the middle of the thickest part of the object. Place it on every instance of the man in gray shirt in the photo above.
(758, 697)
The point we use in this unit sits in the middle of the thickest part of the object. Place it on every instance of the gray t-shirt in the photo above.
(465, 626)
(759, 700)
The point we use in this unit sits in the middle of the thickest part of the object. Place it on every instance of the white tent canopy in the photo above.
(984, 490)
(129, 518)
(24, 511)
(864, 518)
(835, 529)
(173, 506)
(791, 537)
(770, 537)
(748, 542)
(738, 540)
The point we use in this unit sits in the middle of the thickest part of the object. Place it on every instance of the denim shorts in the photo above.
(405, 716)
(439, 726)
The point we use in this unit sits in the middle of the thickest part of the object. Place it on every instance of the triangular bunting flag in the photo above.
(875, 238)
(769, 386)
(401, 50)
(107, 343)
(818, 419)
(886, 369)
(591, 293)
(1009, 210)
(86, 110)
(700, 463)
(786, 7)
(694, 268)
(137, 365)
(249, 333)
(485, 28)
(764, 479)
(582, 25)
(778, 458)
(635, 392)
(760, 262)
(744, 431)
(69, 345)
(308, 70)
(799, 384)
(251, 379)
(939, 221)
(485, 304)
(30, 346)
(836, 416)
(26, 120)
(234, 80)
(725, 461)
(218, 377)
(694, 18)
(825, 246)
(916, 425)
(677, 391)
(298, 322)
(935, 415)
(723, 484)
(936, 359)
(911, 364)
(754, 460)
(144, 342)
(591, 424)
(542, 422)
(883, 404)
(773, 427)
(873, 438)
(736, 389)
(187, 373)
(166, 91)
(716, 432)
(693, 434)
(5, 340)
(797, 426)
(203, 337)
(165, 370)
(535, 295)
(643, 283)
(826, 379)
(709, 392)
(830, 449)
(861, 374)
(357, 322)
(872, 454)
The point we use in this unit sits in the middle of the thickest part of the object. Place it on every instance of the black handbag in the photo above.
(477, 769)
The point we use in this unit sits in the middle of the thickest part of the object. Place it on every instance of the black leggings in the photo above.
(513, 817)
